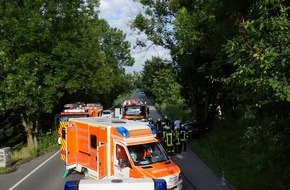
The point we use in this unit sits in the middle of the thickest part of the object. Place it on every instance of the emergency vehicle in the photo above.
(74, 110)
(112, 148)
(134, 110)
(117, 184)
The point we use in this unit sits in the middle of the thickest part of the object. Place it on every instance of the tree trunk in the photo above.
(29, 128)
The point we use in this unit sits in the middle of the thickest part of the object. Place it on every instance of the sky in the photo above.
(119, 13)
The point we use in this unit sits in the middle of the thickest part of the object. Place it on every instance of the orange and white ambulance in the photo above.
(111, 148)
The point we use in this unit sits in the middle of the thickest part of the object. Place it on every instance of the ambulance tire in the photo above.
(85, 172)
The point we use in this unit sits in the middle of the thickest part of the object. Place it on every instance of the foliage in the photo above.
(160, 82)
(194, 32)
(47, 142)
(230, 53)
(260, 54)
(247, 158)
(53, 52)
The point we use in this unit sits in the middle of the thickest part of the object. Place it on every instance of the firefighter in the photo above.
(168, 141)
(183, 137)
(163, 133)
(158, 125)
(177, 144)
(167, 121)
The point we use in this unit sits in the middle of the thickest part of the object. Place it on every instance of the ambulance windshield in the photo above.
(145, 154)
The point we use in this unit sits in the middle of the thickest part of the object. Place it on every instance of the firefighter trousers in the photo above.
(183, 146)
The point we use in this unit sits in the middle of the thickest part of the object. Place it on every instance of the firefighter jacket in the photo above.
(183, 134)
(177, 137)
(169, 138)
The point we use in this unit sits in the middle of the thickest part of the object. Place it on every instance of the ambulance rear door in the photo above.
(102, 151)
(102, 161)
(71, 145)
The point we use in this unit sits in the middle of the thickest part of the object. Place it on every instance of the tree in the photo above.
(260, 55)
(194, 32)
(149, 72)
(260, 81)
(52, 51)
(159, 80)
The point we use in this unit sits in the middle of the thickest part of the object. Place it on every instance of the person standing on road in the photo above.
(183, 137)
(177, 144)
(169, 144)
(158, 125)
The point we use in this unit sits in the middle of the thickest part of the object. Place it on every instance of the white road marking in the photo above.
(33, 171)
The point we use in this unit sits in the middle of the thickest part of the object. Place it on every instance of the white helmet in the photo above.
(166, 127)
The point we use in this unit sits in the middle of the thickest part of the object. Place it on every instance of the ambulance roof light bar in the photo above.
(123, 131)
(153, 128)
(117, 184)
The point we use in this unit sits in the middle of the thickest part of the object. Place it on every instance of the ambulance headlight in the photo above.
(123, 131)
(160, 184)
(71, 185)
(153, 129)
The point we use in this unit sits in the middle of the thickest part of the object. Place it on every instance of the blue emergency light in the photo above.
(123, 131)
(159, 184)
(153, 129)
(71, 185)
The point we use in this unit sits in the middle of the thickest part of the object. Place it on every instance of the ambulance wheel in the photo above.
(85, 172)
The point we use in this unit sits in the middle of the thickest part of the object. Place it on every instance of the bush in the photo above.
(47, 142)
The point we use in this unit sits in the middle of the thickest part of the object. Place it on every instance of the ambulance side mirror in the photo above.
(123, 163)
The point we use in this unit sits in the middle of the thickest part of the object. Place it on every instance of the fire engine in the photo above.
(112, 148)
(74, 110)
(133, 110)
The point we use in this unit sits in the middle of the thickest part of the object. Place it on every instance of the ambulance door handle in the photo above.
(96, 158)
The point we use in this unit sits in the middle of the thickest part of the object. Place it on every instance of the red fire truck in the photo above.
(74, 110)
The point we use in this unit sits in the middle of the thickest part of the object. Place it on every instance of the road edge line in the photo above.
(11, 188)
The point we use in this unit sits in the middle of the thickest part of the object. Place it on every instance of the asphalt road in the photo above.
(45, 172)
(42, 173)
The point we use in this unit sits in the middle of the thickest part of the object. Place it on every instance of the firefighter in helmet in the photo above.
(183, 137)
(168, 141)
(166, 121)
(158, 125)
(177, 144)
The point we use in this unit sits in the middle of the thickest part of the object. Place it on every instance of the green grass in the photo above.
(223, 150)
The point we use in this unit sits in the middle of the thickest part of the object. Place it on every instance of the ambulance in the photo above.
(112, 148)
